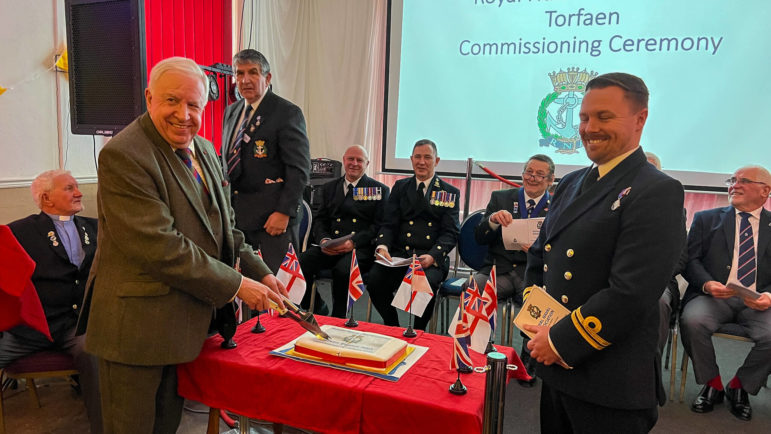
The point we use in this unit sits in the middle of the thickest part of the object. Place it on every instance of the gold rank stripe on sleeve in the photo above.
(589, 328)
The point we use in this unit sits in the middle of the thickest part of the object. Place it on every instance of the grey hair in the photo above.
(182, 65)
(44, 183)
(252, 56)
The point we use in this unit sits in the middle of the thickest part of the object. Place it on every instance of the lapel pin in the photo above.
(52, 237)
(617, 203)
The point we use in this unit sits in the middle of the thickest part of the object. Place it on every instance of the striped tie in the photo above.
(186, 155)
(746, 261)
(234, 158)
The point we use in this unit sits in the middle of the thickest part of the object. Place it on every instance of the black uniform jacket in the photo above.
(360, 214)
(607, 255)
(413, 226)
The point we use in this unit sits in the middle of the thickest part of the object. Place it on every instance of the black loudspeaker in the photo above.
(107, 64)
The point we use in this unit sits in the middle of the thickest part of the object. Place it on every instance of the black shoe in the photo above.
(739, 402)
(708, 397)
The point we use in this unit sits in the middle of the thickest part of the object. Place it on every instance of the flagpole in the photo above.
(409, 332)
(351, 322)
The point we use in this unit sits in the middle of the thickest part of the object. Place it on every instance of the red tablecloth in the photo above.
(250, 382)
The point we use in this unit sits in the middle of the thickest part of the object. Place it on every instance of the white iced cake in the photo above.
(351, 347)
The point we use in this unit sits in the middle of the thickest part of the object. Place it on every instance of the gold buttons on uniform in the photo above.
(547, 247)
(409, 234)
(428, 237)
(429, 224)
(410, 222)
(406, 247)
(564, 298)
(438, 247)
(545, 267)
(354, 220)
(568, 275)
(337, 232)
(570, 253)
(74, 306)
(353, 232)
(338, 220)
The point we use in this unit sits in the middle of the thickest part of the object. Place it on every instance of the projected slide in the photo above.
(500, 80)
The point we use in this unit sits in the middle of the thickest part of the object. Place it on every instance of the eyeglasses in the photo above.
(743, 181)
(534, 176)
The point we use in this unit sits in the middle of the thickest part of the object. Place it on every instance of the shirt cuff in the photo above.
(237, 289)
(381, 246)
(553, 348)
(493, 225)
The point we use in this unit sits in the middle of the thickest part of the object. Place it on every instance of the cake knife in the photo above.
(303, 317)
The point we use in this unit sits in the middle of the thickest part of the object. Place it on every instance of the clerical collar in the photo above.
(61, 218)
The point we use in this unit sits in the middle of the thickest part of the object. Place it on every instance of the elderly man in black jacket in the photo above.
(62, 245)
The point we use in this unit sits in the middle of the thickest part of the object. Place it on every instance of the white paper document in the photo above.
(521, 231)
(743, 292)
(394, 262)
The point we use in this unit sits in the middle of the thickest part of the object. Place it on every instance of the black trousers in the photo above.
(274, 249)
(562, 413)
(383, 283)
(314, 261)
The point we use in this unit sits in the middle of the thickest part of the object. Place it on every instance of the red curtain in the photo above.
(200, 30)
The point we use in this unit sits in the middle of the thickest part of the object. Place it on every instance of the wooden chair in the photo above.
(43, 364)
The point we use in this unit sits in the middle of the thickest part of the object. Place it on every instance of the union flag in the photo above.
(355, 283)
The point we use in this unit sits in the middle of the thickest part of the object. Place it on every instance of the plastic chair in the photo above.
(473, 256)
(726, 331)
(43, 364)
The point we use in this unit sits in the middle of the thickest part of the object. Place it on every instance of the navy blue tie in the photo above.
(746, 262)
(234, 159)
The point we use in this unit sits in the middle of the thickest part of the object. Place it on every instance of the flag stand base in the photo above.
(409, 332)
(490, 348)
(258, 328)
(458, 388)
(351, 322)
(228, 344)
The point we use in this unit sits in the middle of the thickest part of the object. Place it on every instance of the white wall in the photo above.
(34, 114)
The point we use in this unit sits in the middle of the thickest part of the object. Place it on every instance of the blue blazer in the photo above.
(711, 248)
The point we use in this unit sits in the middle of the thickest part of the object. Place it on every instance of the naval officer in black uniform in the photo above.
(606, 250)
(353, 205)
(422, 219)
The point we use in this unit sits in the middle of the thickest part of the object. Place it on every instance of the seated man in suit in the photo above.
(421, 219)
(351, 205)
(531, 200)
(730, 245)
(62, 246)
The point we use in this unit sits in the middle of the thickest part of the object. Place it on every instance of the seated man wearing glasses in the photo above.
(531, 200)
(730, 245)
